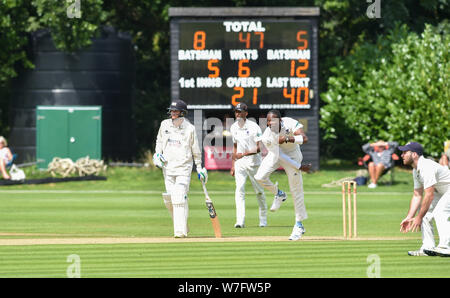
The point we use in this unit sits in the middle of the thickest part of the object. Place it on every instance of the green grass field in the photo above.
(128, 207)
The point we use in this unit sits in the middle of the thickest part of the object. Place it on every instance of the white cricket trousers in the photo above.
(439, 211)
(178, 187)
(272, 162)
(243, 169)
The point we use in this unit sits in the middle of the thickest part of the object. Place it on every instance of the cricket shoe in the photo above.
(297, 233)
(238, 226)
(418, 253)
(437, 251)
(279, 198)
(180, 236)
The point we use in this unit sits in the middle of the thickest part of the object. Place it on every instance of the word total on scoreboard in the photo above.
(264, 63)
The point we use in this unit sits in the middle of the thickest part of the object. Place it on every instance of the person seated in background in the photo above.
(5, 157)
(380, 156)
(444, 160)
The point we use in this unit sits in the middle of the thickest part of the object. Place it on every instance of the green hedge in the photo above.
(395, 89)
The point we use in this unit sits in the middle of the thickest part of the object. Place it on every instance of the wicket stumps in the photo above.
(347, 188)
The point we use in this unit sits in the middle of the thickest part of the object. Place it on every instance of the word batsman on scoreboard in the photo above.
(265, 64)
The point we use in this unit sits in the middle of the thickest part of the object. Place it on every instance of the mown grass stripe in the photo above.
(306, 259)
(156, 192)
(129, 205)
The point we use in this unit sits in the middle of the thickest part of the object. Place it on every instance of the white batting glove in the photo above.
(159, 160)
(202, 174)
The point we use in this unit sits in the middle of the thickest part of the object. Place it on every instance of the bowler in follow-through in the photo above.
(282, 138)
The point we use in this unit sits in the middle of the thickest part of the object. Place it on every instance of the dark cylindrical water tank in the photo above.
(101, 75)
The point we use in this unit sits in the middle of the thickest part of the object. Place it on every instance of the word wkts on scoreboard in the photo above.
(266, 63)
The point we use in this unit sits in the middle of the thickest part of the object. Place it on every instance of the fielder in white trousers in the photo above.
(242, 170)
(270, 164)
(245, 162)
(431, 200)
(283, 138)
(439, 211)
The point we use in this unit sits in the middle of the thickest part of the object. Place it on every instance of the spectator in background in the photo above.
(444, 161)
(380, 157)
(5, 157)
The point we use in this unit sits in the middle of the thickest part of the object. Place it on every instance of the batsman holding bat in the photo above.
(282, 138)
(176, 147)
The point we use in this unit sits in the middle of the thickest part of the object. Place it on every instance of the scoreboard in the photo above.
(266, 57)
(267, 62)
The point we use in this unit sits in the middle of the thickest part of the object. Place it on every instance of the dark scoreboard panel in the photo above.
(266, 57)
(265, 62)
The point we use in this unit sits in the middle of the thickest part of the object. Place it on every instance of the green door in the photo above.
(84, 133)
(51, 136)
(67, 132)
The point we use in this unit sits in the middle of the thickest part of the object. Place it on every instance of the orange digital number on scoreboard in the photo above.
(255, 96)
(243, 71)
(297, 72)
(240, 95)
(261, 39)
(303, 41)
(295, 95)
(199, 40)
(247, 39)
(298, 68)
(213, 68)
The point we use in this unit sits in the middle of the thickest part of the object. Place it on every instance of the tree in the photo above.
(13, 41)
(18, 18)
(344, 27)
(72, 23)
(394, 89)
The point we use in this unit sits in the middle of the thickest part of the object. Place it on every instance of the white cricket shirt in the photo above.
(179, 145)
(246, 139)
(430, 173)
(288, 127)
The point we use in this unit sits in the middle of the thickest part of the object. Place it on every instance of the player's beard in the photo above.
(408, 161)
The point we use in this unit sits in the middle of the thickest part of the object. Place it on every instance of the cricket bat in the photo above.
(212, 213)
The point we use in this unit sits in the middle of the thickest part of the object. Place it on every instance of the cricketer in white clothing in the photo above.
(432, 181)
(176, 147)
(282, 138)
(245, 162)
